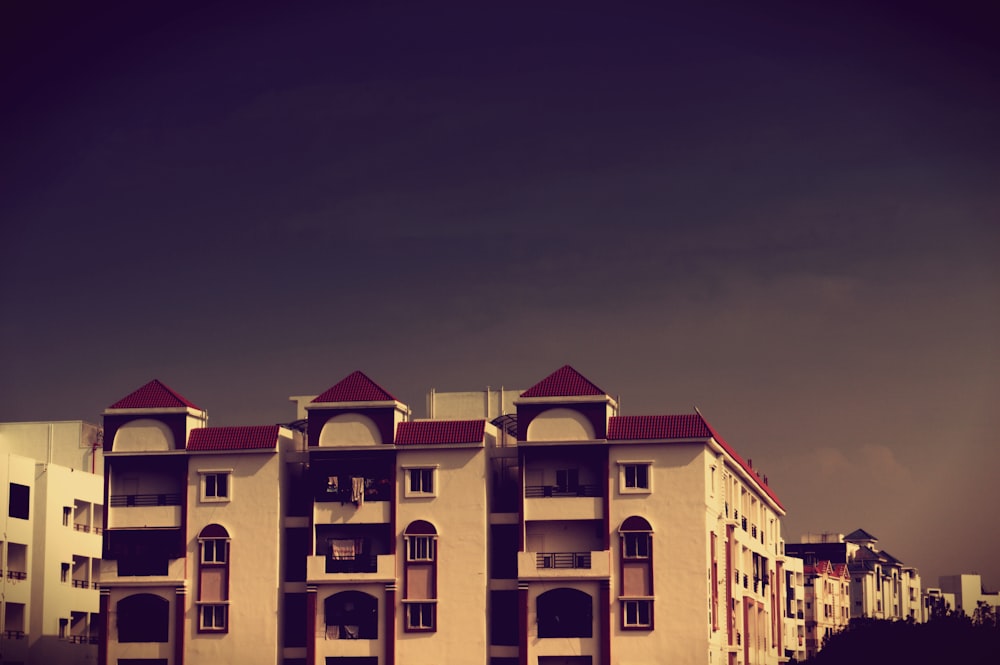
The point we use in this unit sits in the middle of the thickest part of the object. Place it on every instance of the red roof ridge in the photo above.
(355, 387)
(680, 426)
(743, 463)
(564, 382)
(153, 395)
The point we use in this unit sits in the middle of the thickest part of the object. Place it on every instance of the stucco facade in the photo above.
(52, 507)
(511, 527)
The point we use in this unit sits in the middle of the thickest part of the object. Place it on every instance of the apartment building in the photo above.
(794, 623)
(828, 602)
(52, 510)
(882, 586)
(966, 592)
(511, 527)
(193, 552)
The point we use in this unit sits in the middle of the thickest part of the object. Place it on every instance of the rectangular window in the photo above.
(420, 616)
(636, 545)
(63, 628)
(637, 476)
(214, 618)
(20, 499)
(215, 486)
(568, 481)
(420, 482)
(64, 573)
(67, 511)
(638, 613)
(420, 548)
(213, 551)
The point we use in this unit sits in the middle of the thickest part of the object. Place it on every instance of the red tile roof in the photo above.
(356, 387)
(153, 395)
(689, 426)
(440, 431)
(564, 382)
(251, 437)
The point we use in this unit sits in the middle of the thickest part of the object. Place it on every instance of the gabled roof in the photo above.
(440, 431)
(860, 534)
(253, 437)
(564, 382)
(153, 395)
(355, 387)
(630, 428)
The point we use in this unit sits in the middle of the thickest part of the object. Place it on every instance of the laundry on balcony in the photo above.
(357, 490)
(345, 549)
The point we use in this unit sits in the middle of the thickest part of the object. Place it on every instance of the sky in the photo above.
(783, 213)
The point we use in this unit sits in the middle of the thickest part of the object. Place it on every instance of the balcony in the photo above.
(13, 634)
(368, 512)
(551, 502)
(139, 511)
(109, 576)
(17, 575)
(564, 565)
(86, 528)
(365, 567)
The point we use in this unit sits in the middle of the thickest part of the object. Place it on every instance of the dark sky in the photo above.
(784, 213)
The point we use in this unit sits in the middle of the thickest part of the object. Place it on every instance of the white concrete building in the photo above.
(828, 602)
(794, 624)
(194, 557)
(512, 527)
(967, 591)
(52, 509)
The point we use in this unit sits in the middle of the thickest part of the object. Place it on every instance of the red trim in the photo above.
(522, 618)
(715, 587)
(730, 619)
(390, 624)
(605, 614)
(520, 501)
(606, 491)
(180, 600)
(311, 625)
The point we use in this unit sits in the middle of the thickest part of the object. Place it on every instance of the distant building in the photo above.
(828, 600)
(968, 591)
(512, 527)
(882, 587)
(795, 610)
(52, 508)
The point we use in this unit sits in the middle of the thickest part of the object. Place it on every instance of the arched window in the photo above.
(420, 576)
(636, 561)
(213, 579)
(143, 617)
(351, 615)
(565, 613)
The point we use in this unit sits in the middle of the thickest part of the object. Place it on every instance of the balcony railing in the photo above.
(86, 528)
(562, 560)
(82, 639)
(13, 634)
(360, 563)
(540, 491)
(17, 575)
(129, 500)
(81, 584)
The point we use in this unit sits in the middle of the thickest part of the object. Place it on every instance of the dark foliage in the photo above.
(948, 639)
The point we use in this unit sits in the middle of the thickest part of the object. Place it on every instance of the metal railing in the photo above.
(562, 560)
(540, 491)
(130, 500)
(86, 528)
(17, 575)
(81, 584)
(359, 563)
(13, 634)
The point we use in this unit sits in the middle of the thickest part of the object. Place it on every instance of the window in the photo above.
(20, 499)
(420, 616)
(420, 481)
(63, 628)
(420, 548)
(214, 618)
(634, 477)
(351, 615)
(143, 617)
(568, 481)
(638, 613)
(214, 550)
(565, 612)
(215, 486)
(636, 545)
(64, 573)
(67, 511)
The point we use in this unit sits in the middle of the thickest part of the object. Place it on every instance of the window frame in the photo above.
(422, 606)
(635, 538)
(204, 609)
(215, 543)
(637, 604)
(422, 471)
(215, 497)
(430, 544)
(624, 467)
